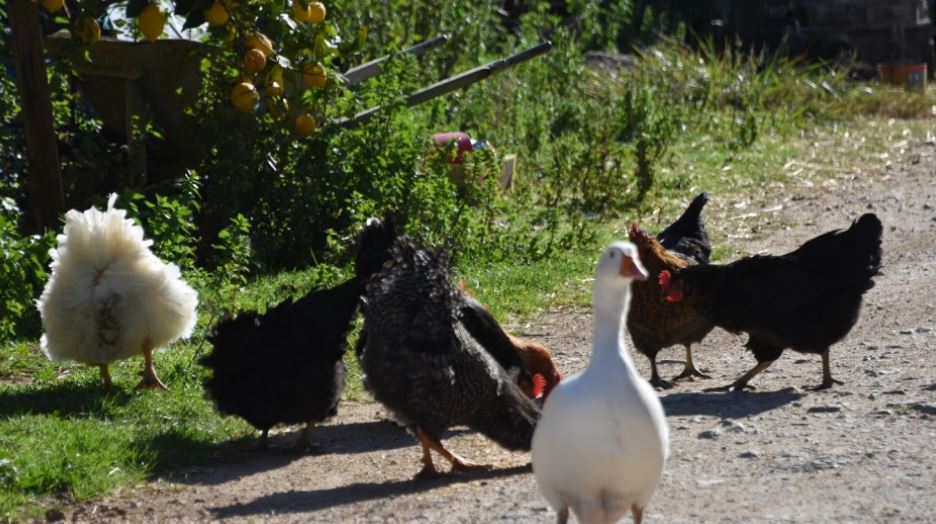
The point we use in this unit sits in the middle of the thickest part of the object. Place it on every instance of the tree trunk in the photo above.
(46, 200)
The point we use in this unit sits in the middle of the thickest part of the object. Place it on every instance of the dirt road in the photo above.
(865, 451)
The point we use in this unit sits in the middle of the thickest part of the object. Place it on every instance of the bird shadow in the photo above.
(173, 452)
(62, 398)
(727, 405)
(243, 457)
(363, 437)
(296, 501)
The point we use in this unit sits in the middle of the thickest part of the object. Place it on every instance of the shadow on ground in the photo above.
(363, 437)
(242, 457)
(315, 500)
(727, 405)
(63, 399)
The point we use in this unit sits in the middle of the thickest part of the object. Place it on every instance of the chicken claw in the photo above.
(689, 373)
(734, 387)
(690, 370)
(460, 465)
(150, 380)
(826, 384)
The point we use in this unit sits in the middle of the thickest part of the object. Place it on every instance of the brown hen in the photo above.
(654, 323)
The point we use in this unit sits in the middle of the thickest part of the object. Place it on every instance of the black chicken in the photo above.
(805, 300)
(687, 236)
(652, 323)
(421, 362)
(285, 366)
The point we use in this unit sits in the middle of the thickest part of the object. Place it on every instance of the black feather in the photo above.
(687, 236)
(285, 366)
(805, 300)
(422, 363)
(483, 327)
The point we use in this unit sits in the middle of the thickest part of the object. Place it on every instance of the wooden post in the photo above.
(46, 200)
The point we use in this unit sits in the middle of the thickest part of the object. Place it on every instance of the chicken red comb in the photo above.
(664, 280)
(539, 384)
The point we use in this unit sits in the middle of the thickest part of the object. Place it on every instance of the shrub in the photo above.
(23, 262)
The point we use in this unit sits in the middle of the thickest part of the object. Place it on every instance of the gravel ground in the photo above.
(859, 452)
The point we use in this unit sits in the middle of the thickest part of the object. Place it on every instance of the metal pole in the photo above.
(360, 73)
(451, 84)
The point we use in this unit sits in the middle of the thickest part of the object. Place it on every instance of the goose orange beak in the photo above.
(632, 268)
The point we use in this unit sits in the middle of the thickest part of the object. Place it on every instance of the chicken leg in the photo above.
(150, 380)
(827, 379)
(458, 463)
(638, 514)
(739, 385)
(562, 516)
(304, 441)
(105, 374)
(690, 370)
(655, 379)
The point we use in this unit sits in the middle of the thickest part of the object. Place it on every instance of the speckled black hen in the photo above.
(422, 364)
(285, 366)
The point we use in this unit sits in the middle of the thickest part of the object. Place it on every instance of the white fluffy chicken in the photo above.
(109, 297)
(601, 444)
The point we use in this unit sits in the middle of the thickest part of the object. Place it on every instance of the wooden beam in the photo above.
(46, 199)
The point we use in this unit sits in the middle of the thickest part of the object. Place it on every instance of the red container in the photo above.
(911, 76)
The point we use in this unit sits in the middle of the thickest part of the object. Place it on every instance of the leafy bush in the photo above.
(23, 262)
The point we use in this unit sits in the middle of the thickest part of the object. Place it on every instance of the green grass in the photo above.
(63, 436)
(63, 433)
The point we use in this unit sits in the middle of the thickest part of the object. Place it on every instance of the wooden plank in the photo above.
(47, 202)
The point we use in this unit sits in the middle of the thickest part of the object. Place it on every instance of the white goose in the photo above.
(602, 441)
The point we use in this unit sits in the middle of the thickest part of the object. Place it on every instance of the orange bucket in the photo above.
(911, 76)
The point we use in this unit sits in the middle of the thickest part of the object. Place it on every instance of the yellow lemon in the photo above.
(314, 75)
(254, 60)
(217, 14)
(86, 30)
(152, 21)
(316, 12)
(273, 89)
(52, 5)
(301, 14)
(304, 124)
(243, 97)
(261, 42)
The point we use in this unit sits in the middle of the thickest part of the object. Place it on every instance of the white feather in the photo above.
(602, 442)
(108, 292)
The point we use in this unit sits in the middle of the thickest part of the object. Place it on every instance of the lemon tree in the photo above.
(286, 50)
